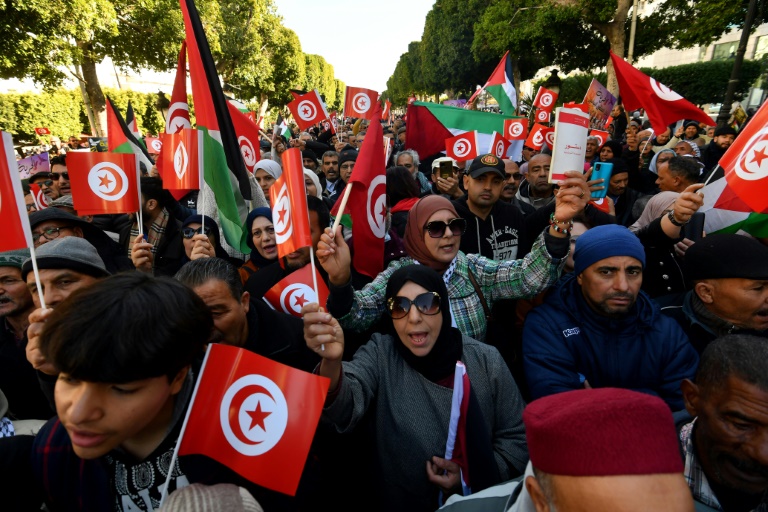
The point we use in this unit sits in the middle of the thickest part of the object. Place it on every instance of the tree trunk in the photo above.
(86, 100)
(93, 89)
(263, 105)
(516, 76)
(614, 32)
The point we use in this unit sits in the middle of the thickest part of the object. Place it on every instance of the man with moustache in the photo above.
(598, 329)
(513, 178)
(536, 189)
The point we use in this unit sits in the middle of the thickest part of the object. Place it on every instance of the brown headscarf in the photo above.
(414, 229)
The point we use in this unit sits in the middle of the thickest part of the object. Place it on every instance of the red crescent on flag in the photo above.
(284, 221)
(515, 129)
(550, 138)
(302, 294)
(237, 403)
(377, 207)
(100, 179)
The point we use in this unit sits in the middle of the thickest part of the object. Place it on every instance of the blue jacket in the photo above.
(565, 342)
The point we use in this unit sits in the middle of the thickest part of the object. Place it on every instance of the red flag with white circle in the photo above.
(746, 162)
(601, 135)
(42, 131)
(308, 109)
(154, 144)
(499, 145)
(541, 116)
(255, 416)
(181, 165)
(13, 210)
(290, 214)
(545, 99)
(103, 182)
(536, 137)
(359, 103)
(41, 200)
(462, 147)
(549, 137)
(296, 289)
(516, 129)
(248, 137)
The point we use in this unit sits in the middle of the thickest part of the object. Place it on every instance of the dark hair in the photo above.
(125, 328)
(152, 188)
(202, 270)
(400, 185)
(317, 205)
(58, 160)
(738, 355)
(684, 167)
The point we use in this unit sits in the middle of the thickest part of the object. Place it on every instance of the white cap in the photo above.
(436, 161)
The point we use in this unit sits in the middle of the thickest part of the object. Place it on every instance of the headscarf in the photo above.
(270, 167)
(414, 230)
(311, 175)
(694, 147)
(214, 234)
(614, 146)
(656, 206)
(256, 257)
(441, 360)
(652, 165)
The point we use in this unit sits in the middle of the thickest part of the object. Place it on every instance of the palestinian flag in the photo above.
(429, 124)
(726, 213)
(130, 120)
(225, 172)
(501, 85)
(120, 139)
(282, 125)
(239, 105)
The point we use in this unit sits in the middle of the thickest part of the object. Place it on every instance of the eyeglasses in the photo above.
(427, 303)
(347, 166)
(268, 230)
(516, 176)
(57, 175)
(436, 228)
(190, 232)
(31, 207)
(49, 234)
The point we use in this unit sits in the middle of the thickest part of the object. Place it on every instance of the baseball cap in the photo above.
(486, 163)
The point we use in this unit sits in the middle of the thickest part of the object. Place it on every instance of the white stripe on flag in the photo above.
(18, 192)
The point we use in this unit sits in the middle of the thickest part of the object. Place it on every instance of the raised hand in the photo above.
(333, 254)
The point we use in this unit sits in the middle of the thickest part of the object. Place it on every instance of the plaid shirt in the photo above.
(694, 474)
(512, 279)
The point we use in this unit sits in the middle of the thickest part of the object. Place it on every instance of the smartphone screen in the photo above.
(446, 170)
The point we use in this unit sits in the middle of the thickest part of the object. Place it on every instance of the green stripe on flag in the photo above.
(229, 200)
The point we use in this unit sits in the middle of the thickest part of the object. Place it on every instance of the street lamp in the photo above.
(163, 104)
(553, 82)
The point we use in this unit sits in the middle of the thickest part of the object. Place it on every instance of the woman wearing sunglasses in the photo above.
(475, 283)
(405, 377)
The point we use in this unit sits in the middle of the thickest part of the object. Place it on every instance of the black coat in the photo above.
(497, 237)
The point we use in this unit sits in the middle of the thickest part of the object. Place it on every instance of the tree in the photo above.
(577, 34)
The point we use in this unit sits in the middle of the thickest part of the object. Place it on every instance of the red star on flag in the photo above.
(258, 416)
(759, 159)
(282, 213)
(105, 181)
(300, 300)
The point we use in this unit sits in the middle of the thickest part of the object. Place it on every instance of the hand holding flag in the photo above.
(289, 206)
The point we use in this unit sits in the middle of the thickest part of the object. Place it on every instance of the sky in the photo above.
(361, 39)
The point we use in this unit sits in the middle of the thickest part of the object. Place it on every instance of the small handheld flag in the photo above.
(462, 147)
(289, 206)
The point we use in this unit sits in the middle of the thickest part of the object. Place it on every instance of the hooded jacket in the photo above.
(497, 237)
(565, 342)
(524, 195)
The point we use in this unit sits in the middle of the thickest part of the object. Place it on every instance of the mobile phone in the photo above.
(602, 170)
(694, 228)
(446, 170)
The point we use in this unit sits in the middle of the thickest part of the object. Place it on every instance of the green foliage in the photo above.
(319, 75)
(59, 110)
(149, 119)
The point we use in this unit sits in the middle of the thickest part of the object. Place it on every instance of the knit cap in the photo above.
(13, 258)
(603, 242)
(713, 258)
(69, 252)
(602, 432)
(214, 498)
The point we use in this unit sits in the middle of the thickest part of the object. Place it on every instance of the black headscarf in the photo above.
(441, 360)
(258, 260)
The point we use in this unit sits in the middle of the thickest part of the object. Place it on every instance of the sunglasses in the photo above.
(427, 303)
(517, 176)
(436, 228)
(190, 232)
(57, 175)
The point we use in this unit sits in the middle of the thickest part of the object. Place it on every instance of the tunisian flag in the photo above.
(368, 201)
(308, 109)
(103, 182)
(746, 162)
(248, 137)
(463, 146)
(359, 103)
(178, 113)
(255, 416)
(516, 129)
(663, 105)
(536, 137)
(293, 291)
(499, 145)
(38, 196)
(545, 99)
(289, 206)
(181, 165)
(13, 211)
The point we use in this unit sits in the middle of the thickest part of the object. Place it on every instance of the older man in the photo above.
(597, 328)
(724, 429)
(730, 289)
(677, 174)
(410, 160)
(593, 450)
(536, 190)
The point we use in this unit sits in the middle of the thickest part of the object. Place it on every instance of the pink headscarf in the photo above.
(414, 229)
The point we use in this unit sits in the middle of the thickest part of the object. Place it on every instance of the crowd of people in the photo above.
(616, 358)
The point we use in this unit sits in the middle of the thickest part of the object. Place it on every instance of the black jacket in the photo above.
(170, 255)
(710, 155)
(18, 380)
(497, 237)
